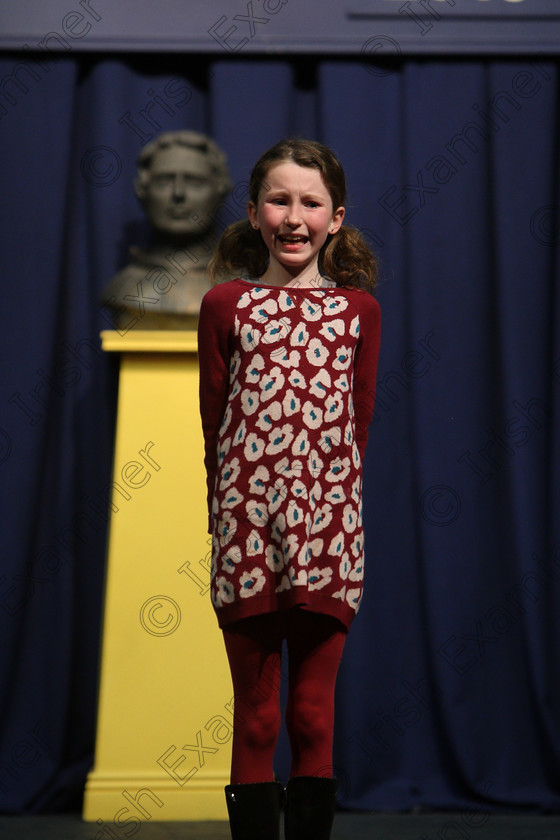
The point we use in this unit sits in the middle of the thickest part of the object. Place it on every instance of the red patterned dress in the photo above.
(287, 385)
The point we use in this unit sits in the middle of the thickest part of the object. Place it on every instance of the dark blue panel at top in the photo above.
(369, 27)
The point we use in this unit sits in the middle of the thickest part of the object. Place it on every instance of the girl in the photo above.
(288, 358)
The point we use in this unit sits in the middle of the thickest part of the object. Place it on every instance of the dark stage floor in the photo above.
(347, 827)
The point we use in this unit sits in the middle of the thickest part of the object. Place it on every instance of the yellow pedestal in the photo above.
(165, 705)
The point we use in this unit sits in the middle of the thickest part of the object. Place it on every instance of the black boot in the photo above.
(310, 804)
(254, 810)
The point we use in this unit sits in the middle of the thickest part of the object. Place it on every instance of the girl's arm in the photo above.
(214, 325)
(365, 368)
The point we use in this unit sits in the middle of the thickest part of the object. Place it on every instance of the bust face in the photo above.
(181, 194)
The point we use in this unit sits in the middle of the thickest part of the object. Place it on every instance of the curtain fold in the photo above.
(449, 689)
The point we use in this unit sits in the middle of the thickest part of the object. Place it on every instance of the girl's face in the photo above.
(294, 214)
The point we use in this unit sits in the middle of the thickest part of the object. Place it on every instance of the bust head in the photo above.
(182, 177)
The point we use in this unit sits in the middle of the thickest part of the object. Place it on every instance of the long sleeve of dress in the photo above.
(365, 370)
(214, 325)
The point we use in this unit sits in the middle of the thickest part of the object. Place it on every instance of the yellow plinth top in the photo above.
(149, 341)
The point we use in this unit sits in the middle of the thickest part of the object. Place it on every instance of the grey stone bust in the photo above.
(182, 178)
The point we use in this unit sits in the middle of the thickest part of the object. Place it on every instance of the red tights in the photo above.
(254, 648)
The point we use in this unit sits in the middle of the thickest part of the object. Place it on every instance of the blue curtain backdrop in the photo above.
(449, 692)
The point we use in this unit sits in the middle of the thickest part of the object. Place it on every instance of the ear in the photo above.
(337, 218)
(253, 216)
(139, 188)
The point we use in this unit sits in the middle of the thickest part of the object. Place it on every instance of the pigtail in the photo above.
(240, 249)
(348, 261)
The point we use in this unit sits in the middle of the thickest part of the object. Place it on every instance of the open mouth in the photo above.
(293, 239)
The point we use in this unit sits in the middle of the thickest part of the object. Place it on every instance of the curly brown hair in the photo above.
(345, 257)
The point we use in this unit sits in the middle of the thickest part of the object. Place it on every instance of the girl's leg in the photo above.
(315, 645)
(254, 649)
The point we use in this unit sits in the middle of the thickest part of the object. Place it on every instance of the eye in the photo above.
(312, 203)
(162, 179)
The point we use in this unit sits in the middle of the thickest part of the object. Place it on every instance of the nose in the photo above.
(179, 188)
(293, 215)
